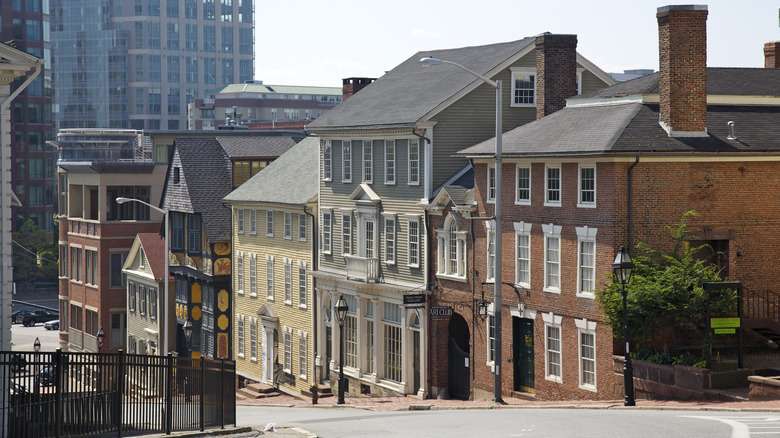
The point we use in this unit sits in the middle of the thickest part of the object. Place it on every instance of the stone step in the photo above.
(254, 392)
(261, 387)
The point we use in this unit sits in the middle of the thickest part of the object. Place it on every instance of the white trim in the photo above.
(552, 232)
(522, 229)
(367, 166)
(519, 166)
(288, 226)
(553, 321)
(586, 234)
(547, 168)
(253, 222)
(491, 185)
(327, 160)
(272, 223)
(302, 226)
(344, 163)
(410, 161)
(580, 203)
(410, 218)
(491, 313)
(394, 162)
(589, 328)
(525, 71)
(490, 228)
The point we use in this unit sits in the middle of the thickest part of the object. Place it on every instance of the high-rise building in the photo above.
(137, 63)
(25, 26)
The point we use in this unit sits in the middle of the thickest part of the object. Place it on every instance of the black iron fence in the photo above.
(762, 304)
(86, 394)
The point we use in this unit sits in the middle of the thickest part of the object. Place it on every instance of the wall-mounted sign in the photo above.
(440, 311)
(725, 331)
(414, 299)
(724, 322)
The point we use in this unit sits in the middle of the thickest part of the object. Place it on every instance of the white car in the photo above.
(52, 325)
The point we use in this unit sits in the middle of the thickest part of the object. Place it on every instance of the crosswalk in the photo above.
(758, 426)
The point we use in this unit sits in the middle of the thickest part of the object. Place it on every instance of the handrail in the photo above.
(762, 304)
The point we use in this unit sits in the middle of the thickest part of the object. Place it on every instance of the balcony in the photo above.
(96, 146)
(365, 269)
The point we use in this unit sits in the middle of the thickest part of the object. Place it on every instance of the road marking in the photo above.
(738, 430)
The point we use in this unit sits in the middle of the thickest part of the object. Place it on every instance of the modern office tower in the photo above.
(137, 63)
(24, 24)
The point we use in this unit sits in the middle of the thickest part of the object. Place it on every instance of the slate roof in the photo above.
(405, 94)
(154, 249)
(291, 179)
(632, 127)
(255, 147)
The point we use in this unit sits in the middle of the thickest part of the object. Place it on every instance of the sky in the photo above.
(320, 42)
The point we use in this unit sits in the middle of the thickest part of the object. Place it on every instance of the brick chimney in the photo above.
(772, 54)
(682, 39)
(353, 85)
(556, 72)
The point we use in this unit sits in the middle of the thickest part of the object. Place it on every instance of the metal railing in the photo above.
(762, 304)
(87, 394)
(362, 268)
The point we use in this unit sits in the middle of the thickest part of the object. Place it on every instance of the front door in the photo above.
(268, 355)
(328, 350)
(459, 380)
(523, 354)
(416, 361)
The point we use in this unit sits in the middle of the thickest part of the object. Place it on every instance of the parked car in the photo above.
(48, 375)
(16, 317)
(29, 319)
(52, 325)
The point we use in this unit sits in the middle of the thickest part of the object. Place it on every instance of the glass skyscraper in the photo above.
(137, 63)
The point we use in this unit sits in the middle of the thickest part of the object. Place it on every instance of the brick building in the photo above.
(614, 167)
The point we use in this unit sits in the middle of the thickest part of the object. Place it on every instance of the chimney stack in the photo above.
(772, 54)
(556, 72)
(353, 85)
(682, 38)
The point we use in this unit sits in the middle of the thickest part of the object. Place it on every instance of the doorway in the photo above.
(459, 380)
(523, 354)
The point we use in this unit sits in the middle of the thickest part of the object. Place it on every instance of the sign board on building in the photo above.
(414, 299)
(725, 331)
(724, 322)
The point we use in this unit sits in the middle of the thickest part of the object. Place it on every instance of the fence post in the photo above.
(120, 391)
(58, 392)
(169, 394)
(202, 393)
(222, 386)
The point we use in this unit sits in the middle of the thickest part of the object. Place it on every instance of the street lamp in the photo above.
(497, 218)
(122, 200)
(37, 377)
(187, 329)
(622, 267)
(101, 336)
(341, 315)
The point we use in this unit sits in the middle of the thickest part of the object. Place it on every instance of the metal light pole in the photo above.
(166, 306)
(37, 377)
(341, 315)
(497, 219)
(622, 267)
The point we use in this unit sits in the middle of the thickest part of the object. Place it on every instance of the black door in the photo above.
(459, 380)
(416, 361)
(523, 354)
(328, 350)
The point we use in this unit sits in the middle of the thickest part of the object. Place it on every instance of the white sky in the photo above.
(320, 42)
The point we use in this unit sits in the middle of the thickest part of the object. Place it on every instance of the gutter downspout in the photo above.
(629, 211)
(428, 190)
(314, 313)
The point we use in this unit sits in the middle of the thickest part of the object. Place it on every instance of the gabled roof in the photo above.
(292, 179)
(154, 248)
(255, 147)
(278, 89)
(364, 194)
(15, 62)
(459, 191)
(409, 92)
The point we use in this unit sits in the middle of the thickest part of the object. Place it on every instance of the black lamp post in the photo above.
(187, 329)
(341, 315)
(101, 336)
(36, 379)
(622, 267)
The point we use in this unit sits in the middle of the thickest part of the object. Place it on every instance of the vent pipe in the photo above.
(732, 134)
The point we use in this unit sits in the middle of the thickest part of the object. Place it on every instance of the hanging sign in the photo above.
(724, 322)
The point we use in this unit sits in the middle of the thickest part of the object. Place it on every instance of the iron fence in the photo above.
(96, 394)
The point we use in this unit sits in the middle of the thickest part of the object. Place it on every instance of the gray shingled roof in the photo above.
(255, 147)
(292, 179)
(720, 81)
(410, 91)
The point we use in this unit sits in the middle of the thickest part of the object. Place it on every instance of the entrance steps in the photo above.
(255, 391)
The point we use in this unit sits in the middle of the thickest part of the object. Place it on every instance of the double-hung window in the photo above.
(413, 240)
(287, 281)
(586, 261)
(552, 258)
(269, 223)
(368, 161)
(586, 331)
(327, 235)
(389, 237)
(253, 339)
(346, 161)
(523, 254)
(302, 294)
(240, 273)
(587, 186)
(288, 225)
(269, 277)
(552, 186)
(491, 335)
(252, 275)
(523, 186)
(491, 183)
(350, 333)
(552, 347)
(523, 87)
(346, 233)
(389, 161)
(490, 227)
(392, 348)
(240, 336)
(303, 349)
(452, 250)
(240, 221)
(287, 364)
(327, 170)
(414, 162)
(302, 227)
(253, 222)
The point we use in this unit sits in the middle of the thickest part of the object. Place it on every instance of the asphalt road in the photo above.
(23, 338)
(499, 423)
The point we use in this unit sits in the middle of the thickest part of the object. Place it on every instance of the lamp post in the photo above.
(36, 379)
(341, 315)
(497, 219)
(166, 306)
(101, 336)
(622, 267)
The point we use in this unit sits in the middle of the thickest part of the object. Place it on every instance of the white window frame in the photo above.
(287, 225)
(522, 231)
(253, 222)
(390, 162)
(490, 251)
(287, 281)
(491, 184)
(580, 189)
(413, 241)
(240, 335)
(240, 273)
(518, 199)
(444, 250)
(303, 298)
(551, 233)
(253, 339)
(327, 163)
(586, 235)
(269, 277)
(588, 328)
(303, 354)
(346, 233)
(368, 161)
(327, 231)
(240, 221)
(547, 188)
(414, 176)
(552, 321)
(520, 71)
(346, 161)
(269, 223)
(390, 238)
(490, 337)
(302, 227)
(287, 358)
(252, 275)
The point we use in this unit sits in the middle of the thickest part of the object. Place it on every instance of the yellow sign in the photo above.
(725, 331)
(724, 322)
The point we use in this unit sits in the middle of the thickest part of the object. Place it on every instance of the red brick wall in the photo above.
(556, 72)
(772, 54)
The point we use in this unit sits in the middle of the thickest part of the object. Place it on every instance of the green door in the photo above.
(523, 354)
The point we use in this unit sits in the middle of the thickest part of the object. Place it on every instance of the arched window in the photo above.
(451, 250)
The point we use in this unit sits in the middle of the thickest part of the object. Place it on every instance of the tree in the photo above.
(666, 291)
(34, 256)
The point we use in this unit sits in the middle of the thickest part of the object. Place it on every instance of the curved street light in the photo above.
(622, 268)
(341, 315)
